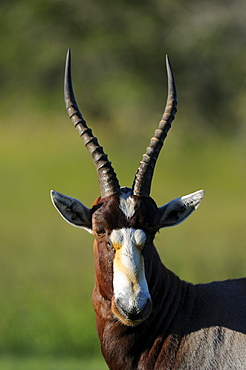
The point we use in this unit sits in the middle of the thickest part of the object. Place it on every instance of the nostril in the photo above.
(122, 306)
(133, 312)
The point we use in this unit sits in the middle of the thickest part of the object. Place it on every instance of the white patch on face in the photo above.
(129, 280)
(127, 204)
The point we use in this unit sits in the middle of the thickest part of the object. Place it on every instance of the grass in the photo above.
(19, 363)
(46, 266)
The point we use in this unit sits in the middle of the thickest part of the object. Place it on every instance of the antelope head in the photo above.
(124, 220)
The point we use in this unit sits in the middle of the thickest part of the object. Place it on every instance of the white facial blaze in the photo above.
(127, 204)
(129, 280)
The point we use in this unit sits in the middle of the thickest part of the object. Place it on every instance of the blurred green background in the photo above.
(46, 266)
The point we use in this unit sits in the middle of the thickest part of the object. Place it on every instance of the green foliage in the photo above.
(34, 363)
(118, 65)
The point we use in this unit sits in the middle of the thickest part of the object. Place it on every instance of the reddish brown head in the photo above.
(124, 221)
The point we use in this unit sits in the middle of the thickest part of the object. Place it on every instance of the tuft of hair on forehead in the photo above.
(127, 203)
(126, 210)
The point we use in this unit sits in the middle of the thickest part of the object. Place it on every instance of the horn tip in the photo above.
(68, 59)
(68, 90)
(168, 64)
(171, 81)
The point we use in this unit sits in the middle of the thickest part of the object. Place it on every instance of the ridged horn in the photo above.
(109, 184)
(142, 182)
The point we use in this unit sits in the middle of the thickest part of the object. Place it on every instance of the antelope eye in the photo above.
(100, 231)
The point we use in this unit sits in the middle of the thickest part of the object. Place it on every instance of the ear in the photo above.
(179, 209)
(72, 210)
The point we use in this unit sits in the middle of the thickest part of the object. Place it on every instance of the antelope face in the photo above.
(126, 224)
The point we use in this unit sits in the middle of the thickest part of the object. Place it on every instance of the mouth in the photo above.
(131, 316)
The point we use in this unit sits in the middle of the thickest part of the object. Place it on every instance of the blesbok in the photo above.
(147, 318)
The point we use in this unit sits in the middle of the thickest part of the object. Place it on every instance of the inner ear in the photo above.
(179, 209)
(72, 210)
